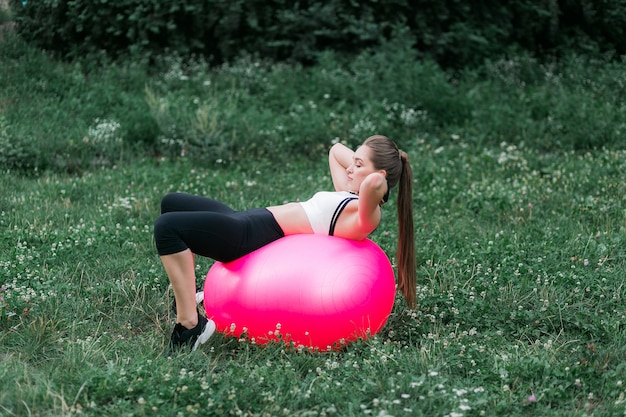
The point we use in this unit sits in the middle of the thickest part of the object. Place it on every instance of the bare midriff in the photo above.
(291, 218)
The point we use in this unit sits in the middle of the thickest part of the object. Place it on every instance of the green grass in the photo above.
(521, 292)
(521, 248)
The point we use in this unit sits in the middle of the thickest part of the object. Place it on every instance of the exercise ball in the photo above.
(312, 291)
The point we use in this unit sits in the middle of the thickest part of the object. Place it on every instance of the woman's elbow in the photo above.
(374, 184)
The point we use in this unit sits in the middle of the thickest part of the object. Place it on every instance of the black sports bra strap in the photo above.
(337, 212)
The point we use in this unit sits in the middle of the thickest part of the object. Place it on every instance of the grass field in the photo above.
(521, 255)
(521, 296)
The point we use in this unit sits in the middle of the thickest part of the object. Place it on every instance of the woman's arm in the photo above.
(361, 217)
(371, 193)
(339, 159)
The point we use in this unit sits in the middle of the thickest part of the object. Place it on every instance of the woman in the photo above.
(362, 179)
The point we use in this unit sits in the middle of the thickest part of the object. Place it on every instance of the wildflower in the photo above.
(532, 398)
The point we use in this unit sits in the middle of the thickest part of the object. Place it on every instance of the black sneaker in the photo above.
(182, 336)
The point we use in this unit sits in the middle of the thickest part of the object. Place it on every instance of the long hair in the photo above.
(395, 162)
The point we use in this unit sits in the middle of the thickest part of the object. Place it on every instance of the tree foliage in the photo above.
(453, 32)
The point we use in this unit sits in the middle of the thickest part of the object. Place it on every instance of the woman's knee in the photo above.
(166, 235)
(160, 225)
(169, 202)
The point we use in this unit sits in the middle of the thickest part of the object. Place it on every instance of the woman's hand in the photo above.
(339, 159)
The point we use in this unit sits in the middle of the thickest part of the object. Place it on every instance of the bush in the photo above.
(15, 154)
(258, 109)
(5, 16)
(219, 30)
(90, 115)
(573, 104)
(454, 33)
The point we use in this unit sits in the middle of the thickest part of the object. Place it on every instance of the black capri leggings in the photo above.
(212, 229)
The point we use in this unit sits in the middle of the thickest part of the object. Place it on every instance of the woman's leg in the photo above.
(178, 236)
(180, 269)
(178, 262)
(207, 233)
(191, 329)
(187, 202)
(223, 237)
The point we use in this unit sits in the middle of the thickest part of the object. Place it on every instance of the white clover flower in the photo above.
(104, 131)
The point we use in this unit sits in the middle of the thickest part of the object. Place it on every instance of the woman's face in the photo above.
(360, 168)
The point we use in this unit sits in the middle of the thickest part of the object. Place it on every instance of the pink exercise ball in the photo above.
(315, 291)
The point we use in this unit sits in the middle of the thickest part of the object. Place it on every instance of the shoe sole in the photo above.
(207, 332)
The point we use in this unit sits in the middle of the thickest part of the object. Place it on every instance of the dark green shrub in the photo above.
(75, 28)
(5, 16)
(16, 153)
(458, 33)
(454, 33)
(218, 29)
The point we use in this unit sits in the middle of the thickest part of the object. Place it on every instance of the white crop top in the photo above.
(324, 208)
